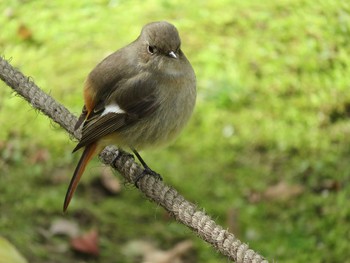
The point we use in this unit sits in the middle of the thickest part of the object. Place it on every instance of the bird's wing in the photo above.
(133, 100)
(81, 118)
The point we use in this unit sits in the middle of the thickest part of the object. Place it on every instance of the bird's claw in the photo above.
(147, 171)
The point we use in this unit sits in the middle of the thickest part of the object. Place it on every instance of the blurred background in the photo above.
(266, 153)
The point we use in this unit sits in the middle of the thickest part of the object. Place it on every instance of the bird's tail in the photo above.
(88, 153)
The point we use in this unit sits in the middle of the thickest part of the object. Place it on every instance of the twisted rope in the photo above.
(155, 190)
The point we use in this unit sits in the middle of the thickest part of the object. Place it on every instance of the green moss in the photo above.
(273, 105)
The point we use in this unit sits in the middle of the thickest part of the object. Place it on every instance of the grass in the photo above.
(273, 106)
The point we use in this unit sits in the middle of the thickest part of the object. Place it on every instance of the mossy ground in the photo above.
(273, 106)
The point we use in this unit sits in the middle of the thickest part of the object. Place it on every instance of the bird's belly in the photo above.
(159, 128)
(154, 131)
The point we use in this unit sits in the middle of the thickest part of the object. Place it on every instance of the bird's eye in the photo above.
(151, 49)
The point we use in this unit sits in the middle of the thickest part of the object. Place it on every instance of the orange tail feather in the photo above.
(88, 153)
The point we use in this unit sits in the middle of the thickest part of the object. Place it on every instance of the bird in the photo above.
(141, 96)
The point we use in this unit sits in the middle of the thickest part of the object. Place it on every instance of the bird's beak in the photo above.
(172, 54)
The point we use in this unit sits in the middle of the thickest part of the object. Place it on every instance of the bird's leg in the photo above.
(147, 170)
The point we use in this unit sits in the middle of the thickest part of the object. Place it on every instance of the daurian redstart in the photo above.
(142, 95)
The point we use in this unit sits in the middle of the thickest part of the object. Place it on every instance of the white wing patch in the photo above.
(112, 108)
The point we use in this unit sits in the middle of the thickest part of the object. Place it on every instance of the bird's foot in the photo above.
(147, 171)
(118, 156)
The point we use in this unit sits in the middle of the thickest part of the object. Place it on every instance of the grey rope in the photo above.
(155, 190)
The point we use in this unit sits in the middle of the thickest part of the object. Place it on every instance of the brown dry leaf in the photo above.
(278, 192)
(24, 32)
(86, 243)
(110, 182)
(254, 197)
(282, 191)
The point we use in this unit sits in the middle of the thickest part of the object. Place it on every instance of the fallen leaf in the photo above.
(24, 32)
(110, 182)
(254, 197)
(9, 254)
(278, 192)
(152, 254)
(173, 255)
(86, 243)
(329, 185)
(283, 191)
(64, 227)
